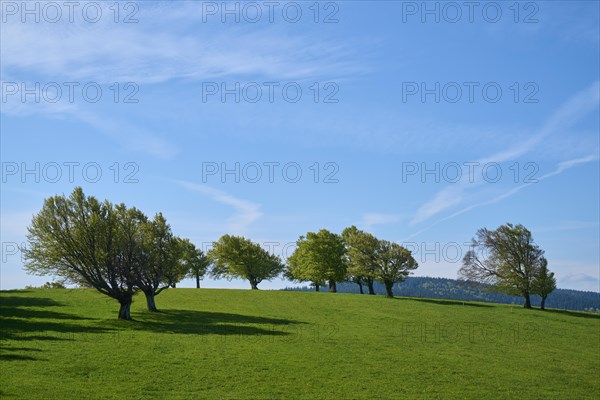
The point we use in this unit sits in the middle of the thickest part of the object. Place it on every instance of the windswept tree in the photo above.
(394, 264)
(361, 251)
(85, 241)
(164, 264)
(506, 258)
(238, 257)
(197, 263)
(544, 283)
(319, 257)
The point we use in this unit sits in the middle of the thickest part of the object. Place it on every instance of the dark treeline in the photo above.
(443, 288)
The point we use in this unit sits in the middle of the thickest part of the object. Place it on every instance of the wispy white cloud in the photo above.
(513, 152)
(445, 198)
(578, 274)
(578, 278)
(561, 167)
(568, 114)
(245, 212)
(565, 165)
(130, 136)
(369, 220)
(157, 49)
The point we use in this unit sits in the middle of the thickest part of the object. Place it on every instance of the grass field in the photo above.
(221, 344)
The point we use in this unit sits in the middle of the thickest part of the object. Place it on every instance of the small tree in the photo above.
(238, 257)
(48, 285)
(319, 257)
(506, 258)
(197, 263)
(394, 264)
(544, 283)
(361, 250)
(54, 285)
(86, 242)
(297, 271)
(161, 251)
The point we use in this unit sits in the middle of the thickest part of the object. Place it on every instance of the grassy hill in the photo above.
(68, 344)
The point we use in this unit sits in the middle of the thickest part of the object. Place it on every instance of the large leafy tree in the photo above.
(394, 264)
(544, 283)
(238, 257)
(319, 257)
(165, 262)
(361, 251)
(507, 258)
(85, 241)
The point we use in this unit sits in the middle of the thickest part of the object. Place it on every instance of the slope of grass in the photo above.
(67, 344)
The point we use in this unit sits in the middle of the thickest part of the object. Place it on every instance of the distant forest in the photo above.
(443, 288)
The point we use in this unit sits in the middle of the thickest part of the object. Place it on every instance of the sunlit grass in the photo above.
(68, 344)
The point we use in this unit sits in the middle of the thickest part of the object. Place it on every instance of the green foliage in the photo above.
(238, 257)
(196, 261)
(361, 251)
(394, 264)
(506, 258)
(319, 257)
(111, 248)
(372, 259)
(544, 282)
(248, 344)
(49, 285)
(81, 239)
(166, 258)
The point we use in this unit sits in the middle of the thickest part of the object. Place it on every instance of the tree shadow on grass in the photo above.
(205, 323)
(16, 357)
(445, 302)
(14, 353)
(21, 301)
(22, 320)
(579, 314)
(15, 291)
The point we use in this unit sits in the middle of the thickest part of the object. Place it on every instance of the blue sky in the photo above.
(509, 90)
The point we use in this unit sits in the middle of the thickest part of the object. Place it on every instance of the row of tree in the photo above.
(356, 256)
(118, 251)
(320, 258)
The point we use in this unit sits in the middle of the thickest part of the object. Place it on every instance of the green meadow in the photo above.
(242, 344)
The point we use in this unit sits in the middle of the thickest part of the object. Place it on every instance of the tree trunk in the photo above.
(125, 310)
(543, 304)
(253, 284)
(388, 288)
(174, 285)
(332, 287)
(360, 287)
(197, 281)
(317, 288)
(150, 301)
(370, 285)
(527, 303)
